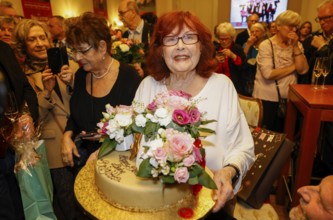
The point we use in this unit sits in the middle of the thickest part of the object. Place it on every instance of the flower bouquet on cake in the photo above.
(128, 51)
(171, 149)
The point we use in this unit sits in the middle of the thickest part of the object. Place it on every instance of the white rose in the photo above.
(165, 170)
(165, 121)
(123, 120)
(140, 120)
(151, 117)
(124, 47)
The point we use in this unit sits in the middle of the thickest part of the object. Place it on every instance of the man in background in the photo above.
(57, 29)
(242, 37)
(7, 9)
(138, 29)
(316, 202)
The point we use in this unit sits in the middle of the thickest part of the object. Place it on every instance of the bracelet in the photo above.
(236, 177)
(295, 55)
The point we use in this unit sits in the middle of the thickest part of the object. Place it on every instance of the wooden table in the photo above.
(315, 106)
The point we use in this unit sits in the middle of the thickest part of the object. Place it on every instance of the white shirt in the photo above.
(233, 142)
(136, 34)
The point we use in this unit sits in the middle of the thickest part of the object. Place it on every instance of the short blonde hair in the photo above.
(288, 18)
(226, 28)
(21, 32)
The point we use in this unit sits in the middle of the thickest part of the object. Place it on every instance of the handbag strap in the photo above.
(276, 82)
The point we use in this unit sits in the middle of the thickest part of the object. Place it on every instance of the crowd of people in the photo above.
(262, 61)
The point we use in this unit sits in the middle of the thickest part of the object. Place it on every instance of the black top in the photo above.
(242, 37)
(86, 110)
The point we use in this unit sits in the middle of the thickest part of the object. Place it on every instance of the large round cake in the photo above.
(115, 177)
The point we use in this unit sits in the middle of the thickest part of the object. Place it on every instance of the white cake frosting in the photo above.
(115, 177)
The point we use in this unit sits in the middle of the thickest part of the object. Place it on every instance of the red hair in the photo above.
(156, 65)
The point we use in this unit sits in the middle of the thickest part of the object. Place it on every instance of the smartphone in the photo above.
(86, 135)
(57, 57)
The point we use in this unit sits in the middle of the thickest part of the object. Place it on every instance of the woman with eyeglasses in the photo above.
(230, 56)
(181, 58)
(280, 59)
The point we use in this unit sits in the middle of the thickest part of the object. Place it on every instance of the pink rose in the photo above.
(182, 175)
(180, 145)
(189, 161)
(194, 115)
(181, 117)
(160, 154)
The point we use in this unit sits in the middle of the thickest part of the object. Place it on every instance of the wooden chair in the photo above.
(253, 110)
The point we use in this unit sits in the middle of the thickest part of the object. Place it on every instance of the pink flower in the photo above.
(194, 115)
(197, 154)
(160, 154)
(103, 127)
(181, 175)
(181, 117)
(109, 109)
(152, 106)
(189, 161)
(124, 109)
(180, 145)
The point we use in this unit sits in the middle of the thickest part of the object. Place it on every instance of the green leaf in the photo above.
(151, 129)
(207, 122)
(206, 181)
(195, 170)
(206, 130)
(137, 129)
(107, 147)
(168, 179)
(193, 180)
(145, 169)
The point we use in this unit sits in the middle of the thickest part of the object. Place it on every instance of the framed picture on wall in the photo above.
(267, 10)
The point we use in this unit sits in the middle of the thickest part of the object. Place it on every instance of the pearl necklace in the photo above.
(106, 72)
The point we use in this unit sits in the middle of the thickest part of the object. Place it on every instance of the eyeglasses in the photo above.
(82, 52)
(187, 39)
(325, 19)
(122, 13)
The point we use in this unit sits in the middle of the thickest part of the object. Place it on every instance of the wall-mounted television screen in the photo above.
(267, 10)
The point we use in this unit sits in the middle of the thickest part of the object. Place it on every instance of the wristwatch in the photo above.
(236, 177)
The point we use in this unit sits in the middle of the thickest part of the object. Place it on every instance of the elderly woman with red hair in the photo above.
(181, 58)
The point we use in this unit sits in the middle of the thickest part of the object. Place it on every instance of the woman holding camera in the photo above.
(31, 41)
(230, 56)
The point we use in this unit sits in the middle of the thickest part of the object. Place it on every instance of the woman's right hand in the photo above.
(68, 148)
(48, 79)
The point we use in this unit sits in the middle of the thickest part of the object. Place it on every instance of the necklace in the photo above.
(104, 74)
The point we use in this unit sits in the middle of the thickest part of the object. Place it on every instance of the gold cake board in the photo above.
(88, 197)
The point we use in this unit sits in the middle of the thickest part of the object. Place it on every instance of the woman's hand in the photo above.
(229, 53)
(252, 39)
(66, 75)
(293, 38)
(68, 148)
(224, 192)
(48, 79)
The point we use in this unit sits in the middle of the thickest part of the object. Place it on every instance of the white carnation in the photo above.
(140, 120)
(123, 120)
(119, 136)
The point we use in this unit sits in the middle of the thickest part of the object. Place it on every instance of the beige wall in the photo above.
(211, 12)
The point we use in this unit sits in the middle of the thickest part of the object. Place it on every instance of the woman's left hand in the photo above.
(224, 192)
(66, 75)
